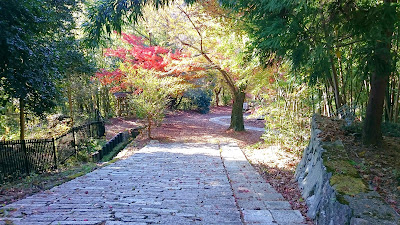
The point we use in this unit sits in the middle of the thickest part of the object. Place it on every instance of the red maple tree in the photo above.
(139, 55)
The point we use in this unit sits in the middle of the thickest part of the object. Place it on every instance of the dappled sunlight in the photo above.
(273, 156)
(116, 125)
(195, 127)
(181, 183)
(179, 148)
(249, 124)
(277, 166)
(189, 127)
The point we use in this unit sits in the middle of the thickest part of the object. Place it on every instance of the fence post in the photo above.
(102, 129)
(54, 153)
(73, 138)
(23, 146)
(110, 146)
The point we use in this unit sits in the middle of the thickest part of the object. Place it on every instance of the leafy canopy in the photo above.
(106, 16)
(30, 49)
(136, 55)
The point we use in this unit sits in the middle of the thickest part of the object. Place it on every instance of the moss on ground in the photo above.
(348, 185)
(341, 167)
(345, 177)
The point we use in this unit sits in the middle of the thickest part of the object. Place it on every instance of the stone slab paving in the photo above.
(259, 203)
(161, 184)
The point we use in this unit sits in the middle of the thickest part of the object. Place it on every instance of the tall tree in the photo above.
(100, 24)
(217, 41)
(76, 68)
(237, 83)
(313, 34)
(152, 73)
(382, 20)
(29, 51)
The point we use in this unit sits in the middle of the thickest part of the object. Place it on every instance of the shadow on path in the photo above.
(171, 183)
(162, 183)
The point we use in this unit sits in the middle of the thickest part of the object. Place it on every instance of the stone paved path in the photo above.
(161, 184)
(219, 120)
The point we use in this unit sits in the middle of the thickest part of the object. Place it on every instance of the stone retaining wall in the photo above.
(327, 205)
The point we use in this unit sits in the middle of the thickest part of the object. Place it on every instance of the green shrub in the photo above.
(354, 129)
(201, 99)
(185, 104)
(388, 129)
(391, 129)
(286, 128)
(226, 99)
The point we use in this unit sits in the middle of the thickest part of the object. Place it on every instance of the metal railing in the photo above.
(21, 157)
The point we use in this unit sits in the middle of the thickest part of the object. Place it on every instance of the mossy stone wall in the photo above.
(333, 189)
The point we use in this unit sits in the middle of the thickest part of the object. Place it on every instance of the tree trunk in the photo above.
(343, 81)
(71, 112)
(108, 101)
(327, 102)
(335, 85)
(237, 122)
(386, 109)
(320, 102)
(396, 103)
(21, 119)
(372, 133)
(397, 91)
(217, 92)
(312, 101)
(118, 107)
(389, 99)
(179, 102)
(149, 126)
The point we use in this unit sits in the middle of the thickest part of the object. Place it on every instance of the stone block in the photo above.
(277, 205)
(258, 216)
(71, 222)
(124, 223)
(247, 204)
(287, 216)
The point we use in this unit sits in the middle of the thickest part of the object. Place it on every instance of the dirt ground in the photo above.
(190, 126)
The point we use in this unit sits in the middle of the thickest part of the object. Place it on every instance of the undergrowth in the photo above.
(388, 129)
(286, 128)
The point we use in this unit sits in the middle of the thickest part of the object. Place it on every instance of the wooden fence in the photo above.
(19, 158)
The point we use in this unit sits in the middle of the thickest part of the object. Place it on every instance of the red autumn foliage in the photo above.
(139, 55)
(115, 79)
